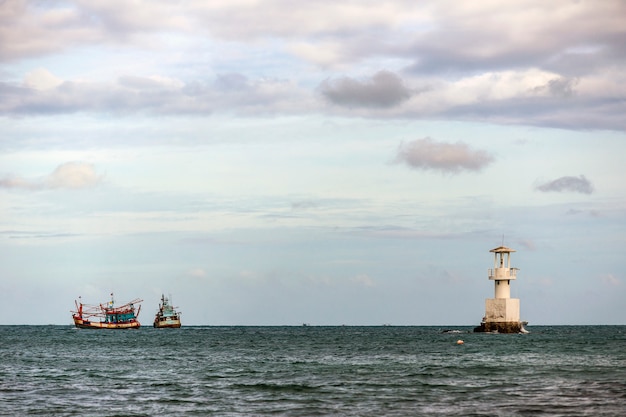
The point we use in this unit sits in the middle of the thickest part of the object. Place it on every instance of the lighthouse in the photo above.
(502, 311)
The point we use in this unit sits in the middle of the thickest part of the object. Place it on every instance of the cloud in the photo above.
(383, 89)
(30, 29)
(70, 175)
(436, 36)
(529, 97)
(73, 175)
(304, 205)
(451, 158)
(197, 273)
(524, 65)
(567, 184)
(528, 244)
(153, 94)
(154, 83)
(41, 79)
(517, 35)
(363, 280)
(246, 20)
(578, 212)
(610, 280)
(561, 87)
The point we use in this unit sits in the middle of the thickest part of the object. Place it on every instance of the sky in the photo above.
(328, 163)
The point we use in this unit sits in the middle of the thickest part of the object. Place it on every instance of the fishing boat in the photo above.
(106, 316)
(167, 316)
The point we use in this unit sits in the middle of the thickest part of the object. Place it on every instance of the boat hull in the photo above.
(86, 324)
(167, 324)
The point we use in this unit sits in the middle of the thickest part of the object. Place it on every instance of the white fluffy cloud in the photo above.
(41, 79)
(70, 175)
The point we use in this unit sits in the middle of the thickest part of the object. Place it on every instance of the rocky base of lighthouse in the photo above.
(500, 327)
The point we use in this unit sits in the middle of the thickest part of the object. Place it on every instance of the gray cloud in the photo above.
(453, 158)
(553, 103)
(304, 205)
(462, 41)
(231, 81)
(574, 112)
(383, 89)
(157, 95)
(559, 87)
(579, 212)
(436, 36)
(70, 175)
(567, 184)
(528, 244)
(145, 84)
(436, 43)
(31, 29)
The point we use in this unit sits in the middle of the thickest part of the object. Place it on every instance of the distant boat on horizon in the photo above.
(107, 316)
(167, 316)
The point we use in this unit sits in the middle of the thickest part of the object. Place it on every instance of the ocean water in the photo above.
(312, 371)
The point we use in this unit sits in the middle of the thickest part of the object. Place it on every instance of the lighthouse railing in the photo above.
(502, 273)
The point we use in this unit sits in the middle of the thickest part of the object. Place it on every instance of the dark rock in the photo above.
(500, 327)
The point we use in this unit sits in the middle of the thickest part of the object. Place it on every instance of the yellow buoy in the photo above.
(459, 342)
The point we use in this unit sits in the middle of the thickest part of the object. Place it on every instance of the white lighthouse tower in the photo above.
(502, 311)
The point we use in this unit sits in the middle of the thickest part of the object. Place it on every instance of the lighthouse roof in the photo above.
(502, 249)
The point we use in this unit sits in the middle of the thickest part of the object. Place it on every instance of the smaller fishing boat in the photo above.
(167, 316)
(106, 316)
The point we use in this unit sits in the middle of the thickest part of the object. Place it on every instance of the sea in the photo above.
(312, 371)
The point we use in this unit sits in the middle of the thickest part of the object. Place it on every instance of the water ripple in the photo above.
(294, 371)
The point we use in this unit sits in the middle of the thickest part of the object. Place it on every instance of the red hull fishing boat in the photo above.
(107, 316)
